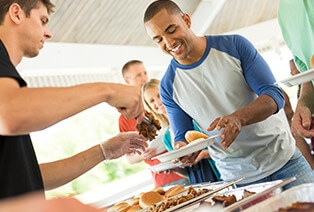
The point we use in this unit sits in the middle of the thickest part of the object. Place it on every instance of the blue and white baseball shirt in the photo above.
(230, 76)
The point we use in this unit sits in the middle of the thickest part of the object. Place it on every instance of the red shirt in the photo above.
(127, 125)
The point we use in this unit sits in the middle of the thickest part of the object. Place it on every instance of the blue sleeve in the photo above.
(257, 72)
(180, 122)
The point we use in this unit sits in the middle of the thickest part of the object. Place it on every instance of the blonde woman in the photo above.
(203, 169)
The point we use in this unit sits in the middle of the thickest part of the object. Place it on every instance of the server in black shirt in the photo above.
(23, 32)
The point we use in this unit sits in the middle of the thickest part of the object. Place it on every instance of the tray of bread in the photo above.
(171, 197)
(298, 198)
(245, 197)
(196, 142)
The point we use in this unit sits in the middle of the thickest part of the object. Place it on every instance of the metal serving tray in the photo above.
(301, 193)
(262, 191)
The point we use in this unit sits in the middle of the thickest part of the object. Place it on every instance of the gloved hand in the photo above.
(123, 143)
(149, 153)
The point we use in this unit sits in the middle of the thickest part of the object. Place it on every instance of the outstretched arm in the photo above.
(24, 110)
(60, 172)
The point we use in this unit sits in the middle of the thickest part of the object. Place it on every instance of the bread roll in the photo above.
(150, 198)
(134, 208)
(133, 201)
(121, 207)
(174, 191)
(193, 135)
(159, 190)
(312, 61)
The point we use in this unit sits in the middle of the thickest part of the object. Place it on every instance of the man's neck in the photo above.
(11, 45)
(199, 47)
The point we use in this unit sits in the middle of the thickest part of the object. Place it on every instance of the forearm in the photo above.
(134, 158)
(263, 107)
(34, 109)
(307, 96)
(181, 172)
(60, 172)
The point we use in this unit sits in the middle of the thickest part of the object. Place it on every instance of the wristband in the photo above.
(103, 152)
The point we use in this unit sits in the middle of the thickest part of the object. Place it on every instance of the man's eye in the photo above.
(158, 40)
(172, 30)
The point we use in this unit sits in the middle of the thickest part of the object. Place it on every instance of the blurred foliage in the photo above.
(76, 134)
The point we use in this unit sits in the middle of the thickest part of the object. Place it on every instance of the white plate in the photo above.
(297, 79)
(164, 166)
(194, 146)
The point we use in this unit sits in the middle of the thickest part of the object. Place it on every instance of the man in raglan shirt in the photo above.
(223, 84)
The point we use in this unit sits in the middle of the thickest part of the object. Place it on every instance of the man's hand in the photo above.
(232, 126)
(124, 143)
(187, 160)
(128, 100)
(149, 153)
(301, 122)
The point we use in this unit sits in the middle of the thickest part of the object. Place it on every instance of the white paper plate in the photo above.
(164, 166)
(194, 146)
(300, 78)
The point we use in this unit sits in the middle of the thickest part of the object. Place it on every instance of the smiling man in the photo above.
(223, 84)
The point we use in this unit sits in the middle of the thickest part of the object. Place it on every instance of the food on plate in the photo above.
(225, 200)
(150, 198)
(170, 202)
(299, 206)
(174, 190)
(149, 131)
(120, 207)
(133, 201)
(159, 190)
(193, 135)
(247, 193)
(134, 208)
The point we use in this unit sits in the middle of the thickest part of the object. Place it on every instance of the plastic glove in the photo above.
(123, 143)
(149, 153)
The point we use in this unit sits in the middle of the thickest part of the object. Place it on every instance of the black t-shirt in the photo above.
(19, 169)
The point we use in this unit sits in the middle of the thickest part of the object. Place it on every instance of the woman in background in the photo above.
(204, 168)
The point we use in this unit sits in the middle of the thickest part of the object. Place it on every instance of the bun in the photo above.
(133, 201)
(150, 198)
(312, 61)
(159, 190)
(121, 207)
(174, 191)
(193, 135)
(134, 208)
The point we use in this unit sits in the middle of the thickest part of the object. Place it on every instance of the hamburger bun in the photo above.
(134, 208)
(312, 61)
(193, 135)
(150, 198)
(133, 201)
(159, 190)
(121, 207)
(174, 191)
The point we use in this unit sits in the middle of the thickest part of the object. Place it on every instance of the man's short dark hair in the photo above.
(26, 5)
(156, 6)
(126, 66)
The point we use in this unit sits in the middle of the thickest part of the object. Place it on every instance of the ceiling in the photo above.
(120, 22)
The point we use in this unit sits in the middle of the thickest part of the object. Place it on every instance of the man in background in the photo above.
(134, 73)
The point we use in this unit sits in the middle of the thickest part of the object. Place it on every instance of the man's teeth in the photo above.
(176, 49)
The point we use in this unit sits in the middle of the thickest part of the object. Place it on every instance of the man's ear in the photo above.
(187, 19)
(15, 13)
(126, 80)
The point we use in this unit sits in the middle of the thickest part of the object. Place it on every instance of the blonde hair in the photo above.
(154, 84)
